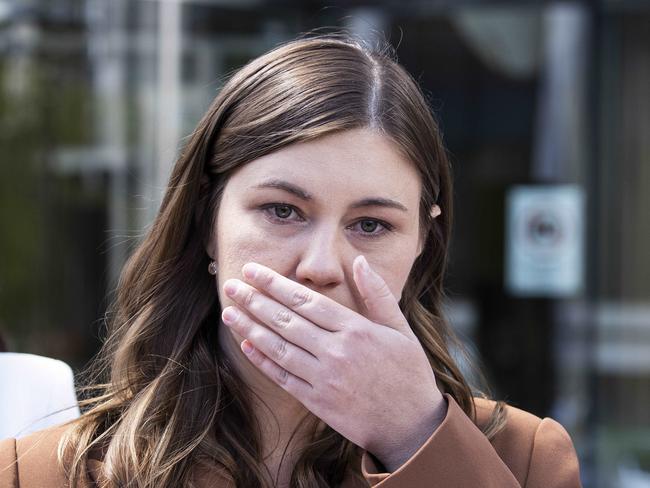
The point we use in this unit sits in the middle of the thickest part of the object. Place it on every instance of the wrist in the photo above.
(401, 451)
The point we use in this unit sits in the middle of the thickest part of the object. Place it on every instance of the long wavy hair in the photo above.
(162, 402)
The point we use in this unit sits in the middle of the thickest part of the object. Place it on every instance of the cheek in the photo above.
(395, 271)
(240, 241)
(235, 249)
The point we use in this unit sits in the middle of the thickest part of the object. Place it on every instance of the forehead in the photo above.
(348, 165)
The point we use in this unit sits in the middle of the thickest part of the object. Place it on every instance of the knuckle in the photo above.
(266, 279)
(338, 364)
(383, 291)
(358, 334)
(335, 354)
(282, 318)
(244, 328)
(249, 297)
(301, 297)
(282, 376)
(334, 384)
(280, 349)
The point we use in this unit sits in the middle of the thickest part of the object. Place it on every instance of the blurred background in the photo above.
(545, 109)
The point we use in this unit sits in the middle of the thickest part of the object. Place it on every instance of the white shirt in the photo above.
(35, 392)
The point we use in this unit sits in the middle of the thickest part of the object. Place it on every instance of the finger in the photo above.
(318, 309)
(382, 306)
(279, 318)
(287, 355)
(294, 385)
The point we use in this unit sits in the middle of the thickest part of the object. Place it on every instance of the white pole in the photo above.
(169, 91)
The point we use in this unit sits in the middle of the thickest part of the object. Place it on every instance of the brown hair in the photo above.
(164, 401)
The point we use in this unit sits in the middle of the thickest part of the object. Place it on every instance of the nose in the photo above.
(321, 262)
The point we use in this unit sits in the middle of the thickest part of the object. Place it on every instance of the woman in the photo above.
(281, 324)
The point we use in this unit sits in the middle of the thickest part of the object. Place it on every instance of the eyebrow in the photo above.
(306, 196)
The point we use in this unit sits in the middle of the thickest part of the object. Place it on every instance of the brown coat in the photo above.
(529, 452)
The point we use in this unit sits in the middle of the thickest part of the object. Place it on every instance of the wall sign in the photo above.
(545, 240)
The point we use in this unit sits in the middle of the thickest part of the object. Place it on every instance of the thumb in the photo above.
(382, 306)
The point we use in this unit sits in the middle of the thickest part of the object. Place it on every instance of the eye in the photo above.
(373, 227)
(369, 225)
(280, 212)
(283, 211)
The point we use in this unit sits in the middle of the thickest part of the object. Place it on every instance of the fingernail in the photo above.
(364, 265)
(230, 288)
(229, 315)
(250, 270)
(247, 347)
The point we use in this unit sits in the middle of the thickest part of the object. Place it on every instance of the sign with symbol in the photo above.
(544, 240)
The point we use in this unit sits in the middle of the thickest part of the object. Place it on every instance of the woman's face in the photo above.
(309, 209)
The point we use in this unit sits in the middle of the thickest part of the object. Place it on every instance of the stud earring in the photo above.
(212, 268)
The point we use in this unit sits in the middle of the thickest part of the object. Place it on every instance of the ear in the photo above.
(434, 213)
(209, 242)
(210, 247)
